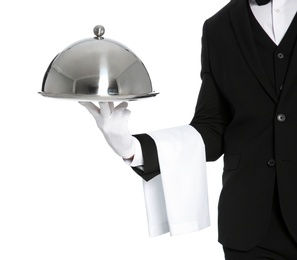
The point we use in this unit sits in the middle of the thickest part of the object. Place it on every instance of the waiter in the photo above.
(246, 111)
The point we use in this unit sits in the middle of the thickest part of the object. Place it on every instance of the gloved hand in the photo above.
(113, 122)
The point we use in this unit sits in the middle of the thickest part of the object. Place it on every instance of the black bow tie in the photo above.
(262, 2)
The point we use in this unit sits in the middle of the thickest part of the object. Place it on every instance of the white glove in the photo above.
(113, 122)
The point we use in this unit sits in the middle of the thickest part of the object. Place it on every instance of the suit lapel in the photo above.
(241, 25)
(292, 69)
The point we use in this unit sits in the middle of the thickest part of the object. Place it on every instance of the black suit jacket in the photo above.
(239, 115)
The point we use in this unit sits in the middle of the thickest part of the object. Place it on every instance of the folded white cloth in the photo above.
(177, 199)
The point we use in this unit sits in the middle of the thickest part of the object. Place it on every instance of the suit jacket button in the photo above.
(271, 163)
(281, 117)
(280, 55)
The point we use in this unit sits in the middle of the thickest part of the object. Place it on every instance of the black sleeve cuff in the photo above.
(150, 157)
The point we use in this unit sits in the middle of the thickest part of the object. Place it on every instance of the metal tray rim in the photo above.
(78, 97)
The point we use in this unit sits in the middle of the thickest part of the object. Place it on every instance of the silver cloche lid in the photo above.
(97, 69)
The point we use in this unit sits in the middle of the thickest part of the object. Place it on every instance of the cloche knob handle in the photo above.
(99, 30)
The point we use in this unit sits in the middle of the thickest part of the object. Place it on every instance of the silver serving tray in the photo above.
(78, 97)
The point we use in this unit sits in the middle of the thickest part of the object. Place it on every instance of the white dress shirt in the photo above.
(275, 17)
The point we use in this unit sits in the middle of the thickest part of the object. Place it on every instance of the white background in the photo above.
(63, 193)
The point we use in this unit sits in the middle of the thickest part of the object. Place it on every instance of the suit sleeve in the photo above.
(210, 120)
(212, 112)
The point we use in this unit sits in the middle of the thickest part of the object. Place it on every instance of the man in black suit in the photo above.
(246, 111)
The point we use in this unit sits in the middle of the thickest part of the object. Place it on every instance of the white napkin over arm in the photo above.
(177, 199)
